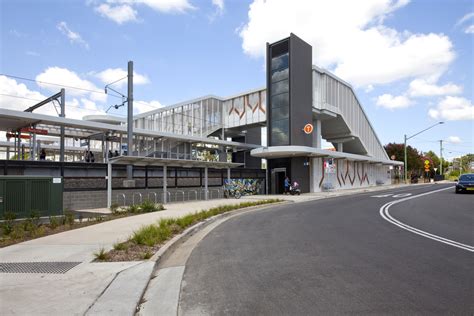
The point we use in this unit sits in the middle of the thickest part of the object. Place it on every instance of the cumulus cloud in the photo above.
(112, 74)
(469, 29)
(349, 38)
(72, 36)
(66, 77)
(391, 102)
(454, 139)
(119, 14)
(453, 109)
(17, 96)
(423, 88)
(122, 11)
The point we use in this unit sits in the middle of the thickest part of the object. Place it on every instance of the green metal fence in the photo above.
(25, 194)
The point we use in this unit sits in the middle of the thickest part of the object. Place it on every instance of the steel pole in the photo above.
(440, 157)
(63, 114)
(405, 164)
(130, 119)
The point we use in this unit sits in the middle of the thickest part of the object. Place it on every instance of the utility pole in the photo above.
(441, 157)
(63, 114)
(130, 118)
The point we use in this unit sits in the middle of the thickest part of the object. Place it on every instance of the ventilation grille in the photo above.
(37, 267)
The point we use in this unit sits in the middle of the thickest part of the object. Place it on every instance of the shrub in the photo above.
(148, 206)
(69, 217)
(8, 222)
(114, 209)
(54, 221)
(121, 246)
(17, 232)
(35, 217)
(147, 255)
(101, 254)
(133, 209)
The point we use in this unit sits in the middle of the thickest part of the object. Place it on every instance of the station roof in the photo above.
(185, 163)
(303, 151)
(11, 120)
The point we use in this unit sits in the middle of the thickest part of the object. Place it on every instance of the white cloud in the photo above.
(423, 88)
(453, 109)
(369, 88)
(144, 106)
(391, 102)
(66, 77)
(112, 74)
(349, 37)
(219, 4)
(72, 36)
(454, 139)
(122, 11)
(17, 96)
(465, 18)
(469, 29)
(119, 14)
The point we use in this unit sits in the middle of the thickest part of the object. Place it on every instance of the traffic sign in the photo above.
(308, 128)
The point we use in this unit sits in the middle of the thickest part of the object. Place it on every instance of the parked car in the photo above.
(465, 183)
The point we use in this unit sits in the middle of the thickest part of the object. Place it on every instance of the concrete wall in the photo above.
(348, 175)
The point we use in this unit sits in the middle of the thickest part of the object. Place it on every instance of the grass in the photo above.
(101, 254)
(150, 237)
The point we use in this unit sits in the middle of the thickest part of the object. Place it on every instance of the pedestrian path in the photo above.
(77, 290)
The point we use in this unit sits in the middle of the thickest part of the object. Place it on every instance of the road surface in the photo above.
(339, 255)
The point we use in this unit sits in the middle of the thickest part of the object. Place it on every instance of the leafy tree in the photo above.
(414, 161)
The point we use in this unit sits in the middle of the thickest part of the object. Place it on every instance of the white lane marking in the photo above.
(392, 195)
(386, 215)
(401, 195)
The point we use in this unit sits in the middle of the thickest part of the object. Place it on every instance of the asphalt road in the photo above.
(337, 256)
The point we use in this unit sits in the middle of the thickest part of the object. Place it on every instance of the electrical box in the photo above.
(24, 194)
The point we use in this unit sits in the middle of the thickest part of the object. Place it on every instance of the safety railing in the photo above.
(176, 195)
(124, 198)
(195, 194)
(155, 196)
(133, 197)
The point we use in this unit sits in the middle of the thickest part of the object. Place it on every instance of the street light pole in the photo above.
(405, 165)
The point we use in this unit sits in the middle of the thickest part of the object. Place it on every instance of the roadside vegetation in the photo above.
(147, 240)
(13, 230)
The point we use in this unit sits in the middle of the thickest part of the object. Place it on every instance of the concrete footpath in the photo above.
(55, 275)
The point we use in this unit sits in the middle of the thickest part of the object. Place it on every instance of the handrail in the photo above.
(133, 197)
(124, 199)
(154, 193)
(195, 192)
(179, 191)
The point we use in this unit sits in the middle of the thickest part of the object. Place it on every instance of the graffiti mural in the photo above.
(242, 186)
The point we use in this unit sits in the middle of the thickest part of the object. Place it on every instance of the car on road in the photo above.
(465, 183)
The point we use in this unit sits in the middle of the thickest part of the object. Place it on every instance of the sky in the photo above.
(409, 61)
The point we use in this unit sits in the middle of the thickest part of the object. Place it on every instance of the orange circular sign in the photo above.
(308, 128)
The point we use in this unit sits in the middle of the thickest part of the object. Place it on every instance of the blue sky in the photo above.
(409, 61)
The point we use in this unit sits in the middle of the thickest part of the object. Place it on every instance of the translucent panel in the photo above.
(280, 100)
(281, 74)
(280, 113)
(280, 62)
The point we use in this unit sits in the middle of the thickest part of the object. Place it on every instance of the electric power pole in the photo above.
(130, 119)
(441, 157)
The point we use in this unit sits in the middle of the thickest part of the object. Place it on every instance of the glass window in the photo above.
(280, 126)
(280, 100)
(278, 75)
(280, 87)
(280, 62)
(280, 113)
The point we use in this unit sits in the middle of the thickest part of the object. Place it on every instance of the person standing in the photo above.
(43, 154)
(287, 185)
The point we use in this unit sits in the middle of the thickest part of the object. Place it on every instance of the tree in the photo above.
(414, 161)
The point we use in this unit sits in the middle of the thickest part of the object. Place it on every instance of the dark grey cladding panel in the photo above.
(301, 89)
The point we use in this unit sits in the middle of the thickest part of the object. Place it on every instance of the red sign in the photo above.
(34, 131)
(11, 135)
(308, 128)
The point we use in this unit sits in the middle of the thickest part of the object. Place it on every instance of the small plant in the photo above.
(101, 255)
(80, 217)
(121, 246)
(18, 232)
(38, 232)
(133, 209)
(98, 218)
(69, 217)
(114, 209)
(147, 255)
(148, 206)
(54, 221)
(35, 217)
(8, 222)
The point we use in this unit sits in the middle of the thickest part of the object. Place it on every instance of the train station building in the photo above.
(188, 150)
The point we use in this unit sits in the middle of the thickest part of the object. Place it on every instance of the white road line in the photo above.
(386, 215)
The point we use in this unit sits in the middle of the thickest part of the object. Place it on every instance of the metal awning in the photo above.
(304, 151)
(186, 163)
